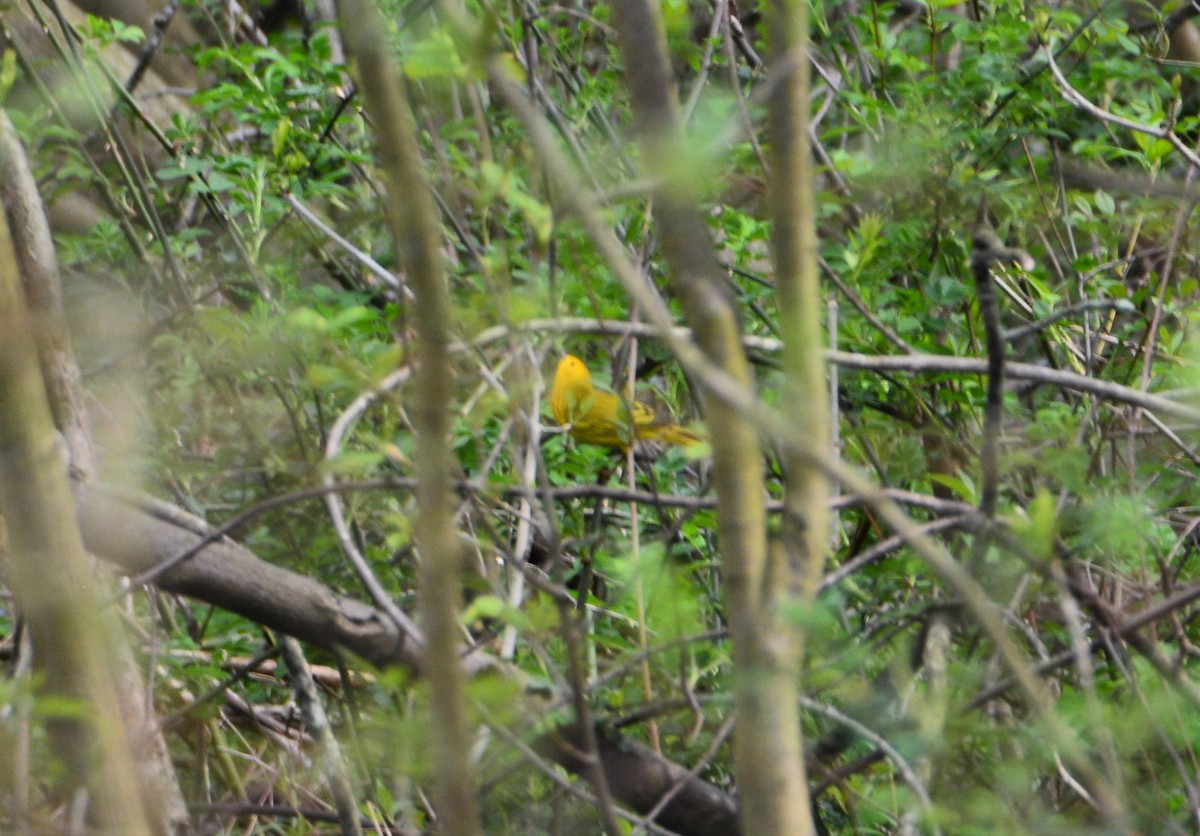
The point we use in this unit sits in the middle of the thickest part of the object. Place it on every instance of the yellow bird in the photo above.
(597, 416)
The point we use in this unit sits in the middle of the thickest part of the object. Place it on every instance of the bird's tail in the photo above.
(675, 434)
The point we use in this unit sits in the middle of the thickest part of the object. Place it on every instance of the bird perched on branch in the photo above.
(597, 416)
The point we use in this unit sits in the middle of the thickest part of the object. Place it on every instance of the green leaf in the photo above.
(279, 137)
(435, 56)
(1038, 526)
(491, 607)
(961, 488)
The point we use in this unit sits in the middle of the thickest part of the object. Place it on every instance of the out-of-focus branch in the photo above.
(773, 795)
(62, 380)
(72, 634)
(794, 240)
(805, 529)
(43, 294)
(413, 216)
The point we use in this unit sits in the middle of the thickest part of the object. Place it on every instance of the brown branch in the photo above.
(230, 576)
(640, 778)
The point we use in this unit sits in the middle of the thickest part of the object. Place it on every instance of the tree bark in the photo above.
(767, 760)
(73, 635)
(639, 778)
(62, 380)
(804, 398)
(227, 574)
(416, 227)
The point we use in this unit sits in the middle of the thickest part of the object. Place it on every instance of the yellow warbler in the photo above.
(600, 417)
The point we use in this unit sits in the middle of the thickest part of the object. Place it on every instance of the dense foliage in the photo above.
(223, 332)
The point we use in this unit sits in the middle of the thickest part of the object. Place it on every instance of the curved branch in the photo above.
(1081, 101)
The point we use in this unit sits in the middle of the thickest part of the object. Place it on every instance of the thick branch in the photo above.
(73, 637)
(767, 738)
(230, 576)
(639, 778)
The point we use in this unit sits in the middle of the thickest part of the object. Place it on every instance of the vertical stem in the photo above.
(639, 588)
(805, 527)
(73, 636)
(835, 433)
(795, 255)
(316, 721)
(413, 216)
(993, 412)
(767, 751)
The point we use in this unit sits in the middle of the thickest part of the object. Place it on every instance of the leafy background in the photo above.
(222, 333)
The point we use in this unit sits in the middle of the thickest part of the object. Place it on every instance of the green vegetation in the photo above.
(223, 330)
